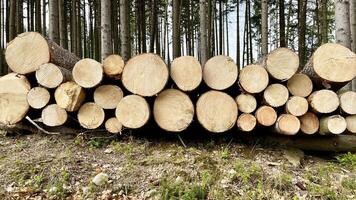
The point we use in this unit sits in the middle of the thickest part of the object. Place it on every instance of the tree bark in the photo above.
(44, 25)
(324, 21)
(264, 28)
(342, 23)
(176, 28)
(302, 5)
(238, 34)
(282, 36)
(125, 29)
(12, 20)
(63, 23)
(54, 21)
(203, 32)
(106, 39)
(38, 27)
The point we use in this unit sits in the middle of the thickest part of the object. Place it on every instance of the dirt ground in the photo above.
(38, 166)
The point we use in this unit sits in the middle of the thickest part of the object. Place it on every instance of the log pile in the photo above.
(276, 94)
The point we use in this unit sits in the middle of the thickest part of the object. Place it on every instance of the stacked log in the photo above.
(272, 95)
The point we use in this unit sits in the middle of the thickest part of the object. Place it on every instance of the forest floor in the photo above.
(38, 166)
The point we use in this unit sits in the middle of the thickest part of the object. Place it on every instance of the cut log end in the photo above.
(173, 110)
(287, 124)
(324, 101)
(282, 63)
(51, 76)
(348, 102)
(297, 106)
(91, 116)
(69, 96)
(246, 103)
(186, 72)
(220, 72)
(13, 98)
(38, 97)
(334, 63)
(309, 123)
(216, 111)
(246, 122)
(27, 52)
(276, 95)
(145, 75)
(334, 124)
(266, 115)
(87, 73)
(53, 115)
(300, 85)
(113, 125)
(113, 65)
(253, 79)
(133, 111)
(351, 124)
(108, 96)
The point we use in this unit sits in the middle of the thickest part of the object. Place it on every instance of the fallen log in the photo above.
(91, 115)
(69, 96)
(145, 75)
(331, 66)
(13, 98)
(246, 122)
(113, 125)
(87, 73)
(334, 124)
(173, 110)
(324, 101)
(309, 123)
(51, 76)
(348, 102)
(113, 66)
(186, 72)
(53, 115)
(297, 106)
(34, 50)
(246, 103)
(266, 116)
(300, 85)
(133, 111)
(287, 124)
(276, 95)
(351, 124)
(216, 111)
(108, 96)
(220, 72)
(281, 63)
(38, 97)
(253, 79)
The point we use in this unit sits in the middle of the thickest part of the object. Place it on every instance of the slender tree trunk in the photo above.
(79, 29)
(44, 25)
(342, 23)
(153, 25)
(106, 40)
(12, 20)
(73, 27)
(97, 29)
(29, 25)
(282, 36)
(209, 32)
(203, 32)
(53, 21)
(176, 28)
(19, 18)
(302, 6)
(250, 31)
(115, 29)
(143, 26)
(227, 31)
(125, 29)
(238, 33)
(353, 24)
(38, 15)
(63, 24)
(264, 16)
(220, 29)
(324, 21)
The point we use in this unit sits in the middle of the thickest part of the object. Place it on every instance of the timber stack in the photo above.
(52, 85)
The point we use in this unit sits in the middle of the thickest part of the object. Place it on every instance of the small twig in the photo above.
(40, 128)
(228, 145)
(185, 146)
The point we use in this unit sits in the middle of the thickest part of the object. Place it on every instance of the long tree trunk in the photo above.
(79, 29)
(73, 26)
(125, 29)
(62, 5)
(238, 33)
(302, 5)
(153, 25)
(264, 23)
(12, 20)
(282, 36)
(342, 23)
(38, 15)
(19, 18)
(106, 42)
(203, 32)
(250, 32)
(44, 30)
(53, 21)
(115, 29)
(97, 30)
(353, 32)
(176, 28)
(324, 21)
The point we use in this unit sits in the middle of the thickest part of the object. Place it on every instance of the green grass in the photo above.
(347, 160)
